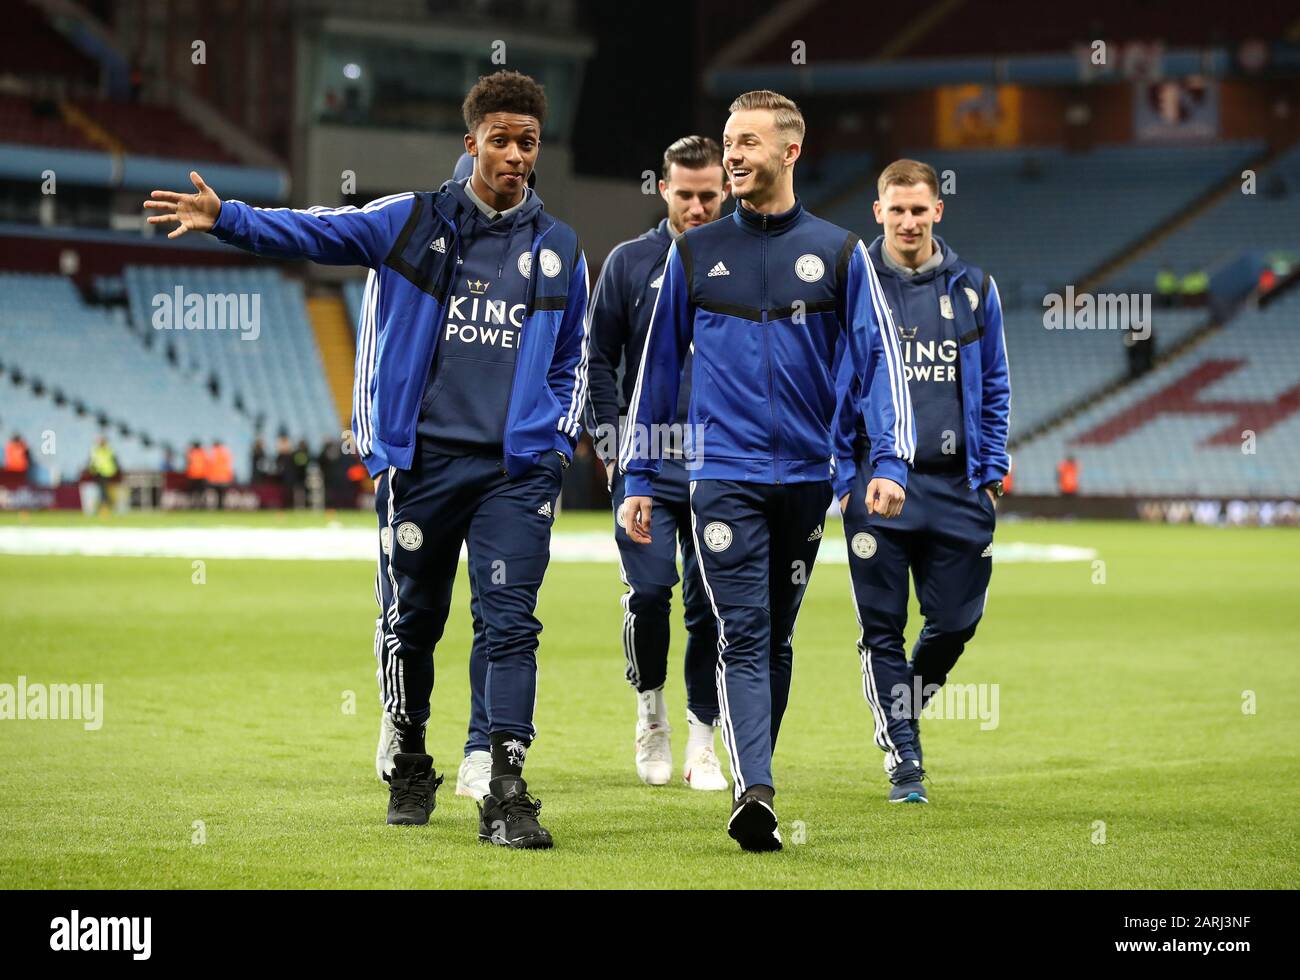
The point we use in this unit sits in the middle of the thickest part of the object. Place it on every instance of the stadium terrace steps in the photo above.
(1176, 330)
(60, 440)
(90, 356)
(272, 372)
(94, 133)
(1233, 223)
(1220, 419)
(1117, 266)
(334, 338)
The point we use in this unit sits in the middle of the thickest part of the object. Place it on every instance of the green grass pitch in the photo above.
(1122, 757)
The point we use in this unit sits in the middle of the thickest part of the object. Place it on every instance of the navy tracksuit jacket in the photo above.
(471, 373)
(770, 303)
(621, 305)
(949, 321)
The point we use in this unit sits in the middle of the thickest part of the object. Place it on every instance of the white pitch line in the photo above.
(360, 544)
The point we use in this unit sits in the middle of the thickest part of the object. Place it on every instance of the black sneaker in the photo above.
(508, 816)
(412, 789)
(907, 786)
(753, 820)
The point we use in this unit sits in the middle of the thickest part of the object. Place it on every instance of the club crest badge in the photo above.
(525, 264)
(409, 536)
(864, 545)
(809, 268)
(972, 297)
(945, 306)
(717, 536)
(550, 263)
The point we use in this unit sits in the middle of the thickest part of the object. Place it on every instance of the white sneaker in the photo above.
(654, 753)
(474, 775)
(388, 747)
(704, 771)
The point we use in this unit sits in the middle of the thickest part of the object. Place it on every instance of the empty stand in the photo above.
(1182, 428)
(275, 374)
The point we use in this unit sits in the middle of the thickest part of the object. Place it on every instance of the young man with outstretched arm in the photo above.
(471, 376)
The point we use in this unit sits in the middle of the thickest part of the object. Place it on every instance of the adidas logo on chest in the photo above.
(719, 270)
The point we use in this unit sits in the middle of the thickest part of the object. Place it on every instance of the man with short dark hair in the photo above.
(694, 187)
(949, 319)
(770, 301)
(471, 376)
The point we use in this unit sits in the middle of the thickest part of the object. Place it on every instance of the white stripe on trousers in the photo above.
(629, 628)
(720, 672)
(394, 697)
(869, 692)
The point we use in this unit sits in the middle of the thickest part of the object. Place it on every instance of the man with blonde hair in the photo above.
(771, 301)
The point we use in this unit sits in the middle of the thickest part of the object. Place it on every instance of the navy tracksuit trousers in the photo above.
(756, 544)
(650, 572)
(477, 738)
(945, 537)
(437, 505)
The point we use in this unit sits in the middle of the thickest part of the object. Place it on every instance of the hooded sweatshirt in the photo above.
(463, 411)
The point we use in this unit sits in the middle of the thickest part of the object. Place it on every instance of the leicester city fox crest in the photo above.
(863, 544)
(409, 536)
(717, 536)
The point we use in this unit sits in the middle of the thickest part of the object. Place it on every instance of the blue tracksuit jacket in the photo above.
(771, 304)
(621, 304)
(411, 244)
(968, 298)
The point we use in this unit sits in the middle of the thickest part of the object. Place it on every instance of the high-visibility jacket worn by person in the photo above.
(769, 304)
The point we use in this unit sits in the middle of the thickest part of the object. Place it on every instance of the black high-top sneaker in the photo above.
(508, 816)
(412, 789)
(753, 820)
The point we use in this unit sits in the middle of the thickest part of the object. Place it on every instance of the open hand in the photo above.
(193, 212)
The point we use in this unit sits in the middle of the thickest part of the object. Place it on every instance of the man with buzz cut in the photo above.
(771, 300)
(471, 376)
(949, 319)
(693, 185)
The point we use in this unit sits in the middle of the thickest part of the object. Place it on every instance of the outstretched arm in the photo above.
(332, 236)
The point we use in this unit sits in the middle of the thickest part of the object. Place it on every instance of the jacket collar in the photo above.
(661, 232)
(950, 268)
(769, 224)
